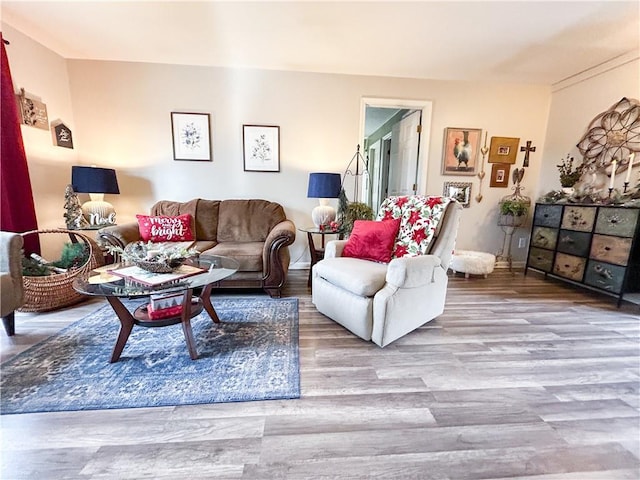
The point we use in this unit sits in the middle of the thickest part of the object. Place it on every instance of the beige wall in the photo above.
(43, 73)
(575, 104)
(122, 120)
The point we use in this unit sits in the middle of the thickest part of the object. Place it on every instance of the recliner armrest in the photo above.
(334, 248)
(412, 272)
(119, 235)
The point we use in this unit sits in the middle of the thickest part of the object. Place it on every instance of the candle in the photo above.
(614, 164)
(630, 166)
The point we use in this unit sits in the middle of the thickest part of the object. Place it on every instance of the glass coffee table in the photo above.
(113, 288)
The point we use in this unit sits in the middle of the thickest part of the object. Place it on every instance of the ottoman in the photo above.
(472, 263)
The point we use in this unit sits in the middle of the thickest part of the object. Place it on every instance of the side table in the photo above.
(317, 254)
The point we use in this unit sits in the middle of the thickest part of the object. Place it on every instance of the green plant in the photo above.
(33, 268)
(356, 211)
(569, 176)
(73, 255)
(515, 208)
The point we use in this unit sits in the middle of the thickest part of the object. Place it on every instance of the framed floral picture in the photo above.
(261, 148)
(460, 191)
(460, 152)
(503, 149)
(191, 136)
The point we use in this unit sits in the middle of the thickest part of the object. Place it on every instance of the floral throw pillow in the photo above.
(163, 228)
(419, 217)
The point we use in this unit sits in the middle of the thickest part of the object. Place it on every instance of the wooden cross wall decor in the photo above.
(527, 150)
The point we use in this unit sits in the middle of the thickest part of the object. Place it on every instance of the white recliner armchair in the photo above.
(382, 302)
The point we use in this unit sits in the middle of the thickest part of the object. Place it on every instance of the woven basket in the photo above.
(56, 291)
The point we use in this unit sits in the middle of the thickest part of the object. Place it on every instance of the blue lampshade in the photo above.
(324, 185)
(94, 180)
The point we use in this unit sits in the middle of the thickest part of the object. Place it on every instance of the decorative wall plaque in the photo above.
(61, 134)
(32, 110)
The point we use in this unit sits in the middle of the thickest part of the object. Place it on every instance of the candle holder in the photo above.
(625, 186)
(610, 191)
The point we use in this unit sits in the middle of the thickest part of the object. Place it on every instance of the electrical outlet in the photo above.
(522, 242)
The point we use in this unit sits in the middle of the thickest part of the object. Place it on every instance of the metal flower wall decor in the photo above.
(615, 133)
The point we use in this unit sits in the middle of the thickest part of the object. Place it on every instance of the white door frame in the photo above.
(426, 106)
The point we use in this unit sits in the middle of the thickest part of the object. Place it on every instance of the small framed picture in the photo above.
(503, 150)
(461, 147)
(261, 148)
(500, 175)
(460, 191)
(191, 136)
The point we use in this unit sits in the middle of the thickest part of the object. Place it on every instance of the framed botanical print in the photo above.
(500, 175)
(460, 191)
(261, 148)
(503, 149)
(191, 136)
(460, 152)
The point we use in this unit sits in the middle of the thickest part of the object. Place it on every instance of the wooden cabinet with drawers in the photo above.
(593, 245)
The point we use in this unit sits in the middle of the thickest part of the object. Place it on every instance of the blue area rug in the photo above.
(251, 355)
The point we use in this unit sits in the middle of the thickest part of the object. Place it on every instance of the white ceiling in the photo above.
(517, 41)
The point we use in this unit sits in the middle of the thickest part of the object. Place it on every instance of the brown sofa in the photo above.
(254, 232)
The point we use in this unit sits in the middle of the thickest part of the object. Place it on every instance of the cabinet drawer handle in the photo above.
(607, 248)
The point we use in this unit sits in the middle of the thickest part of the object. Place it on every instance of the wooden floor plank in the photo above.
(521, 377)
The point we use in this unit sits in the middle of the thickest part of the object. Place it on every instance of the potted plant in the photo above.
(355, 211)
(513, 212)
(569, 176)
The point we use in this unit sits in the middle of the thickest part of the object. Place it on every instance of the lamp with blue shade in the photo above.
(324, 186)
(96, 182)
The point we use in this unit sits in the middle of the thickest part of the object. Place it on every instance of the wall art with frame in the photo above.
(261, 148)
(500, 175)
(461, 191)
(460, 151)
(503, 149)
(191, 134)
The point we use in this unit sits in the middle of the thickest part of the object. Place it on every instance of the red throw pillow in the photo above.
(164, 228)
(372, 240)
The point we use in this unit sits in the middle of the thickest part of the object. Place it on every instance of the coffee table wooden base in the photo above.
(141, 317)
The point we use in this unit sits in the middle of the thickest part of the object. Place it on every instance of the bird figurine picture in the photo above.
(463, 150)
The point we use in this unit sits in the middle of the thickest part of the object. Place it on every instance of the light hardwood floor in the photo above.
(521, 377)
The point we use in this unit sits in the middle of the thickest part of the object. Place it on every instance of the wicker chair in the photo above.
(11, 288)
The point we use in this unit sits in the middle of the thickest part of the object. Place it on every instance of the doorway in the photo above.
(395, 134)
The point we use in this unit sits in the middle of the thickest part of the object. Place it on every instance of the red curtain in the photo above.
(17, 210)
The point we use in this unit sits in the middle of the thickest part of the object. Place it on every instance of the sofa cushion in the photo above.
(360, 277)
(247, 220)
(248, 254)
(420, 217)
(207, 219)
(165, 228)
(372, 240)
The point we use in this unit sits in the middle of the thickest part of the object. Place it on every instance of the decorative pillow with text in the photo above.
(372, 240)
(165, 229)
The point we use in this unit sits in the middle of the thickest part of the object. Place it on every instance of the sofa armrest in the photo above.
(119, 235)
(334, 248)
(282, 235)
(412, 272)
(275, 256)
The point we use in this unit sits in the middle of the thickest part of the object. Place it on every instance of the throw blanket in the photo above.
(420, 216)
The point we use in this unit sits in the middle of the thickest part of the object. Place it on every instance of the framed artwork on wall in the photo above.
(500, 175)
(261, 148)
(461, 191)
(503, 149)
(460, 151)
(191, 134)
